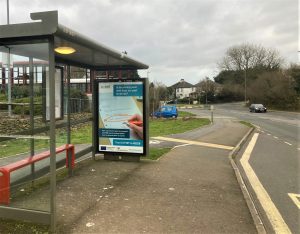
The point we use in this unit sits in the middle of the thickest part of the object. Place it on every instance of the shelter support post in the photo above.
(52, 135)
(92, 78)
(9, 83)
(31, 84)
(70, 169)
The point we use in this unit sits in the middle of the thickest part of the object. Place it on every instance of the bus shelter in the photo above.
(36, 62)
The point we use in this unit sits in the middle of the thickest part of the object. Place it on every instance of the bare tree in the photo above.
(206, 89)
(157, 92)
(273, 59)
(247, 56)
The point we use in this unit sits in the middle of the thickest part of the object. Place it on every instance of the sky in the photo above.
(178, 39)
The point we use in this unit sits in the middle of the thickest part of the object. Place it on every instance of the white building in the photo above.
(183, 89)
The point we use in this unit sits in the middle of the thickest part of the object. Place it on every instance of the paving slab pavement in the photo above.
(184, 192)
(192, 189)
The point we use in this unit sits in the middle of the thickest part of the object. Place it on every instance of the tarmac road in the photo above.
(275, 159)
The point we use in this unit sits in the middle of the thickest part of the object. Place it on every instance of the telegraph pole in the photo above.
(8, 68)
(245, 74)
(7, 4)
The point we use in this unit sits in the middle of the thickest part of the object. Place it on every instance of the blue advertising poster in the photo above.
(120, 117)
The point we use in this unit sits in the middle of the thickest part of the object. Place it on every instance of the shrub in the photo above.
(22, 91)
(231, 92)
(18, 110)
(274, 89)
(184, 100)
(38, 110)
(19, 91)
(79, 101)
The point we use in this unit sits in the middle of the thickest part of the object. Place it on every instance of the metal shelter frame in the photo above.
(89, 54)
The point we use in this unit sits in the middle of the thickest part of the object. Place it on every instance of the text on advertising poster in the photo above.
(120, 122)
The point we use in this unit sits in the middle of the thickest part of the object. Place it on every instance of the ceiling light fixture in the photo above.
(65, 50)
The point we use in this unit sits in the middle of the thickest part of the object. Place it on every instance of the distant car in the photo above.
(166, 112)
(257, 108)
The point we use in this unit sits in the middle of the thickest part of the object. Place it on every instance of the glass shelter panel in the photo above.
(77, 116)
(24, 133)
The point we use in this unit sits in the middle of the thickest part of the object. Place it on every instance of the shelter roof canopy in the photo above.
(88, 53)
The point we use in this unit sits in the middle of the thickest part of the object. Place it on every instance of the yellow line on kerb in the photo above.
(273, 214)
(194, 143)
(295, 198)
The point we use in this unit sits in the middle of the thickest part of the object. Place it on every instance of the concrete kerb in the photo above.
(260, 227)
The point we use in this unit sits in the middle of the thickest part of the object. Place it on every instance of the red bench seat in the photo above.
(7, 169)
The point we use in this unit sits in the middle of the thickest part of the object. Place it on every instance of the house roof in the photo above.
(182, 84)
(88, 53)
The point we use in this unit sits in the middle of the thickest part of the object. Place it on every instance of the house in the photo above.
(183, 89)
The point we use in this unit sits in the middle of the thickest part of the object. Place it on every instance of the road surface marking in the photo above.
(272, 213)
(275, 137)
(295, 198)
(258, 127)
(195, 143)
(298, 148)
(287, 143)
(177, 146)
(154, 142)
(268, 134)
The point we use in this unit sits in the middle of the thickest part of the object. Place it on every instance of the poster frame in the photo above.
(145, 116)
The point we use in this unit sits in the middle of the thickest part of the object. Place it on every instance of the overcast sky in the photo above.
(178, 39)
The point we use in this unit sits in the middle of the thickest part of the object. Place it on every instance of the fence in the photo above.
(78, 105)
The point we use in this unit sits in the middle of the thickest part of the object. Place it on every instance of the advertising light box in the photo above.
(120, 116)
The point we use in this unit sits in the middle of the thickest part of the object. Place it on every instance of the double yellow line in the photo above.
(266, 202)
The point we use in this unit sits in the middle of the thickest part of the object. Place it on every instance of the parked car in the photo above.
(166, 112)
(257, 108)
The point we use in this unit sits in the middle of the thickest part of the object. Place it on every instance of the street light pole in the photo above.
(206, 91)
(7, 8)
(153, 102)
(8, 69)
(245, 77)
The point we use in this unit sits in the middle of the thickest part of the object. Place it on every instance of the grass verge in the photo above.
(161, 127)
(82, 134)
(247, 124)
(185, 114)
(156, 153)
